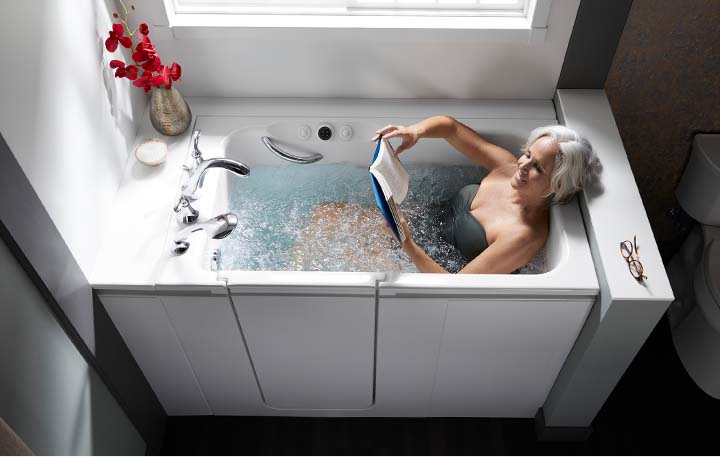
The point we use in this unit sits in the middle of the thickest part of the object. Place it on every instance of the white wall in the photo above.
(48, 394)
(68, 121)
(370, 63)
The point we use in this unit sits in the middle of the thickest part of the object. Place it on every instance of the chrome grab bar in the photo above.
(290, 157)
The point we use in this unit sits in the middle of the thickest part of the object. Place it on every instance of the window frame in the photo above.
(521, 9)
(529, 29)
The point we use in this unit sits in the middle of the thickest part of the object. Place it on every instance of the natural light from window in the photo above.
(520, 21)
(462, 8)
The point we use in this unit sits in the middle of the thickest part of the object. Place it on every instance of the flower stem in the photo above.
(124, 21)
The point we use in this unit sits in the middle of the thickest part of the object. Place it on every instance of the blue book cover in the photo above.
(385, 203)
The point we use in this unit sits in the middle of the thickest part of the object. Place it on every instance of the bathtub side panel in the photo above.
(211, 338)
(499, 358)
(147, 331)
(311, 352)
(409, 332)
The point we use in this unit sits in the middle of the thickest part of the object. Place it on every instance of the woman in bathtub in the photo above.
(500, 224)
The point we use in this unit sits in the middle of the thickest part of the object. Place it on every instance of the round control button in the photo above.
(324, 132)
(304, 132)
(346, 132)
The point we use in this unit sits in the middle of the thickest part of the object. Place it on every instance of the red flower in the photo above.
(175, 71)
(145, 53)
(117, 34)
(143, 50)
(163, 78)
(144, 56)
(130, 72)
(119, 65)
(145, 81)
(153, 63)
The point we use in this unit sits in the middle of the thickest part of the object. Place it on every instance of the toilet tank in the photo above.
(699, 190)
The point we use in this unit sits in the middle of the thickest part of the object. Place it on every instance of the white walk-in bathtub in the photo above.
(365, 343)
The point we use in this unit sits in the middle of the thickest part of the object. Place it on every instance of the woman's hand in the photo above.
(422, 261)
(410, 135)
(403, 226)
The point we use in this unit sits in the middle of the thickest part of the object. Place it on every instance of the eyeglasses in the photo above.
(631, 255)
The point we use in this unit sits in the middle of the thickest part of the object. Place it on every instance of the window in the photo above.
(505, 8)
(522, 21)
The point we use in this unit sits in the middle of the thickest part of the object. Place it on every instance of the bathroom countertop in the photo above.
(135, 252)
(134, 240)
(617, 202)
(626, 310)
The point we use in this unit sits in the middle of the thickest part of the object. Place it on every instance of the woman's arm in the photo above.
(421, 260)
(459, 135)
(506, 254)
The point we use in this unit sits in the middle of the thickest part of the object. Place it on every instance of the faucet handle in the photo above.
(196, 154)
(186, 214)
(195, 158)
(181, 247)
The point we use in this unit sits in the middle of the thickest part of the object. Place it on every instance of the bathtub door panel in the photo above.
(311, 352)
(146, 329)
(499, 358)
(211, 338)
(409, 333)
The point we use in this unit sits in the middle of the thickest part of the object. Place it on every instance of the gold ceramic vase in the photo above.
(169, 112)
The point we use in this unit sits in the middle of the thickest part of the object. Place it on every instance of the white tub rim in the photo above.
(574, 274)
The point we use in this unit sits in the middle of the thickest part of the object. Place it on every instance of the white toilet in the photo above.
(694, 272)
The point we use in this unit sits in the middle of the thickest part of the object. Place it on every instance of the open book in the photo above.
(390, 184)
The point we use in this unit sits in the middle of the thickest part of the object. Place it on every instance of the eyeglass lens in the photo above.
(636, 268)
(626, 248)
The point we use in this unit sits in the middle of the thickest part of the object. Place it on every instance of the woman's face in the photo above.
(535, 168)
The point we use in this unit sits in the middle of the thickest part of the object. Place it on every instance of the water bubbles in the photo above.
(323, 218)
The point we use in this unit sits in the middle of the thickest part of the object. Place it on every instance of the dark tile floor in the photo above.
(655, 409)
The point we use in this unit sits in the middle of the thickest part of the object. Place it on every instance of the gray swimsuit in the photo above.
(460, 227)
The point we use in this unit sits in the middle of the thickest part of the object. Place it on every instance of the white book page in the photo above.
(391, 175)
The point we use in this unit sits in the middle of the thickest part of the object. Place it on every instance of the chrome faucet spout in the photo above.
(217, 228)
(196, 169)
(194, 182)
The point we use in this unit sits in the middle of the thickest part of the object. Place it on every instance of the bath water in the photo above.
(323, 217)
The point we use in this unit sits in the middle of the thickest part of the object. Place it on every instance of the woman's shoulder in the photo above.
(502, 172)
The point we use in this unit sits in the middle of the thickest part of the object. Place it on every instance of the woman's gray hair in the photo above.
(576, 164)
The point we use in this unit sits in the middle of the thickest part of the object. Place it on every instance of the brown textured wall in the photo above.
(664, 86)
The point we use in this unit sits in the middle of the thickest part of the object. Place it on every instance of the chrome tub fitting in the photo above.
(217, 228)
(303, 160)
(196, 172)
